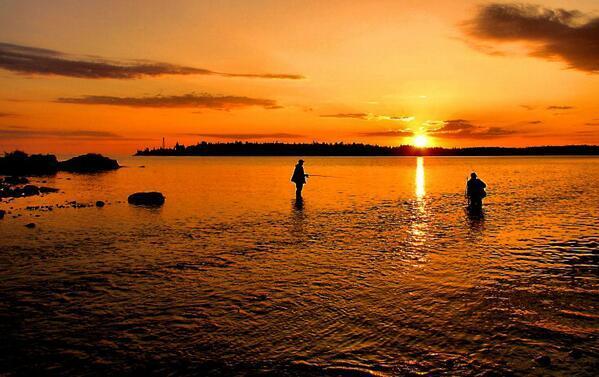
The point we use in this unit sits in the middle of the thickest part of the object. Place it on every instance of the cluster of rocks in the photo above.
(16, 165)
(18, 187)
(19, 163)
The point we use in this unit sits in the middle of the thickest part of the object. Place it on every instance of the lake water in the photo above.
(380, 271)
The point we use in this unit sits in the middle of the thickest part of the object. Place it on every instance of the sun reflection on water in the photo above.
(420, 191)
(418, 229)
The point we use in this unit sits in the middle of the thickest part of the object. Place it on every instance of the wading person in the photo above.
(299, 178)
(475, 191)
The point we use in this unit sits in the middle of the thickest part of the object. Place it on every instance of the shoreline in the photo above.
(359, 150)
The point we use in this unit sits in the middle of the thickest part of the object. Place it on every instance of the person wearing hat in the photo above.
(299, 178)
(475, 190)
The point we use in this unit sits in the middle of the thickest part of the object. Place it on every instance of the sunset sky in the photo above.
(115, 76)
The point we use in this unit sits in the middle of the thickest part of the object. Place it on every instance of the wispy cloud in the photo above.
(23, 132)
(535, 122)
(346, 115)
(567, 35)
(40, 61)
(246, 136)
(560, 107)
(4, 115)
(369, 116)
(199, 100)
(464, 129)
(388, 133)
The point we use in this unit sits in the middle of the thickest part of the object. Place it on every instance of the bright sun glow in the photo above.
(420, 141)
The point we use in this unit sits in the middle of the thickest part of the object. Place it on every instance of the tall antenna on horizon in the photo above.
(163, 143)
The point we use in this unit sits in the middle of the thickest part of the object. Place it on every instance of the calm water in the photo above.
(380, 272)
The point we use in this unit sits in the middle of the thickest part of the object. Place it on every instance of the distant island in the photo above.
(239, 148)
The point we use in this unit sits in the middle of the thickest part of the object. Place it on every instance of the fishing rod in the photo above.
(319, 175)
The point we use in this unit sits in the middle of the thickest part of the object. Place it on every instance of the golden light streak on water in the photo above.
(420, 190)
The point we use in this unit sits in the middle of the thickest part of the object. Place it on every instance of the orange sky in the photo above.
(114, 76)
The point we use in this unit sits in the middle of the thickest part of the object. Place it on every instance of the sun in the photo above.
(420, 141)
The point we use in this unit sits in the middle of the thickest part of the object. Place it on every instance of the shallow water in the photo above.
(380, 271)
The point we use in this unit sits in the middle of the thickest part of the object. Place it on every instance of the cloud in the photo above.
(200, 100)
(346, 115)
(262, 75)
(3, 115)
(535, 122)
(401, 118)
(370, 116)
(242, 136)
(388, 133)
(560, 107)
(39, 61)
(464, 129)
(592, 124)
(566, 35)
(24, 132)
(527, 107)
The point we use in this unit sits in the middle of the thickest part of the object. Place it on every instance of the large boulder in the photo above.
(146, 199)
(88, 163)
(19, 163)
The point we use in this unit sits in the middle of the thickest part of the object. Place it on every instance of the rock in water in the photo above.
(100, 203)
(46, 190)
(88, 163)
(2, 213)
(16, 180)
(146, 199)
(30, 225)
(19, 163)
(543, 360)
(575, 353)
(31, 190)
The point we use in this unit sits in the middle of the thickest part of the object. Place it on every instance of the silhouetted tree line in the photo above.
(239, 148)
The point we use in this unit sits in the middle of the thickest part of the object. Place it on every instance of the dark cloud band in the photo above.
(243, 136)
(23, 132)
(202, 100)
(38, 61)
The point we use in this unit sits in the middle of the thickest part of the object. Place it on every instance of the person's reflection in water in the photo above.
(298, 204)
(299, 178)
(298, 217)
(476, 219)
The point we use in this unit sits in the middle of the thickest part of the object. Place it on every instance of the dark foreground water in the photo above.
(380, 271)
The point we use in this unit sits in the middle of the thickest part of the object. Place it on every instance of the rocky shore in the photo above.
(16, 169)
(19, 163)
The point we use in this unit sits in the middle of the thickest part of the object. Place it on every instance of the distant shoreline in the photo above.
(355, 150)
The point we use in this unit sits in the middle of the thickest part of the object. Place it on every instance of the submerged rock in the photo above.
(575, 353)
(46, 190)
(15, 180)
(89, 163)
(543, 360)
(30, 225)
(146, 199)
(30, 190)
